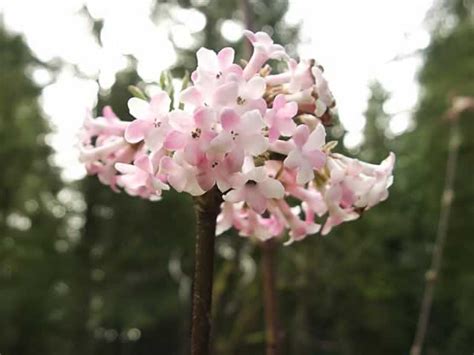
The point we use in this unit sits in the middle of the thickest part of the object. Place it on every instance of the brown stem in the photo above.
(441, 236)
(207, 208)
(273, 333)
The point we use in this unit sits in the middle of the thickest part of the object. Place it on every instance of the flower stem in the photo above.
(442, 233)
(207, 208)
(273, 333)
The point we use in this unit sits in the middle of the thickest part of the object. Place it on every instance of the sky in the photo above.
(356, 42)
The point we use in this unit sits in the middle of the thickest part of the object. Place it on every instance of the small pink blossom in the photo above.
(306, 155)
(192, 133)
(106, 125)
(280, 118)
(180, 174)
(260, 227)
(151, 124)
(240, 94)
(353, 186)
(256, 188)
(299, 228)
(240, 132)
(325, 99)
(232, 215)
(264, 49)
(214, 67)
(140, 178)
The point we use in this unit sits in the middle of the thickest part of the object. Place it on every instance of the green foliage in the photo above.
(85, 270)
(31, 217)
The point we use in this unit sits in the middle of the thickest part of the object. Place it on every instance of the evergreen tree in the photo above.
(448, 67)
(32, 228)
(374, 146)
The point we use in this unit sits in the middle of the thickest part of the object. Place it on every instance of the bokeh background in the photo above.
(84, 270)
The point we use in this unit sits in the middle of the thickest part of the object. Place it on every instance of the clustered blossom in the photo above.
(259, 137)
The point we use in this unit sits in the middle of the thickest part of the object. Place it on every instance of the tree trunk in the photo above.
(207, 208)
(273, 335)
(441, 236)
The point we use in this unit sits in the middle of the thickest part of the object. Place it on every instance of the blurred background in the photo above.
(84, 270)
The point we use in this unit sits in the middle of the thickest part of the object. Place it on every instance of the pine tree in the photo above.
(32, 228)
(446, 72)
(374, 147)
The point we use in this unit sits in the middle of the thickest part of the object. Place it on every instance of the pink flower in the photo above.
(261, 228)
(280, 118)
(151, 124)
(248, 222)
(192, 133)
(354, 186)
(106, 125)
(107, 147)
(306, 155)
(212, 71)
(240, 94)
(264, 49)
(301, 75)
(367, 183)
(221, 171)
(336, 198)
(214, 66)
(180, 174)
(306, 85)
(299, 228)
(311, 198)
(256, 188)
(140, 178)
(325, 99)
(240, 132)
(232, 215)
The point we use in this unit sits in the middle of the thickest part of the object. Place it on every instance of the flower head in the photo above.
(258, 137)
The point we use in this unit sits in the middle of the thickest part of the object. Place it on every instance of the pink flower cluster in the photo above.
(260, 137)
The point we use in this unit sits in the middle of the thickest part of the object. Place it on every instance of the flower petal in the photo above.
(301, 135)
(191, 96)
(293, 160)
(136, 130)
(139, 108)
(317, 159)
(204, 118)
(305, 174)
(255, 200)
(160, 103)
(181, 121)
(316, 139)
(229, 119)
(205, 179)
(250, 36)
(272, 188)
(254, 144)
(254, 89)
(207, 60)
(221, 144)
(175, 140)
(225, 57)
(279, 102)
(257, 174)
(143, 163)
(251, 122)
(155, 137)
(226, 93)
(125, 168)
